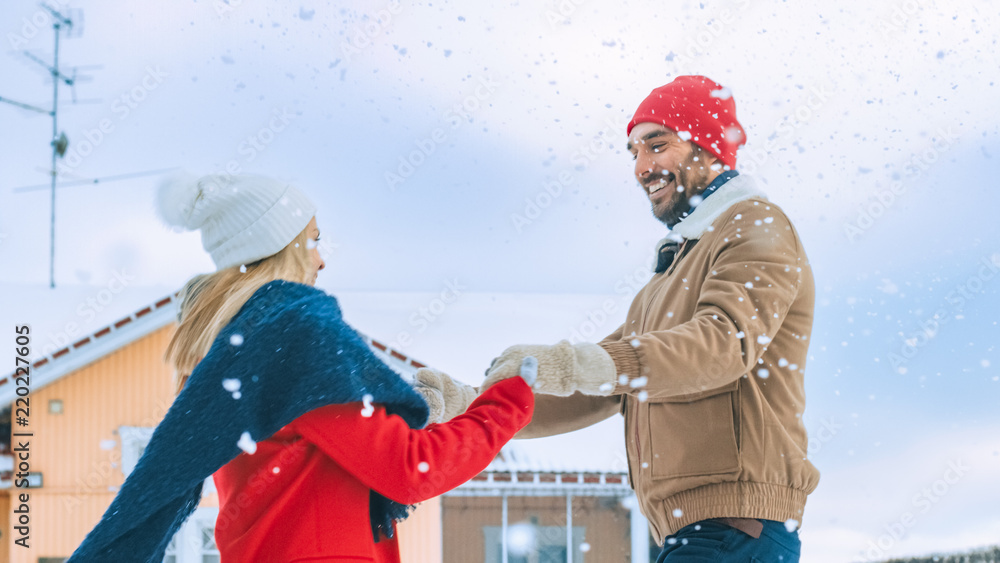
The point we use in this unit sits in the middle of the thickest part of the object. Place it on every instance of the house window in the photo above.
(170, 555)
(194, 542)
(530, 543)
(209, 552)
(134, 440)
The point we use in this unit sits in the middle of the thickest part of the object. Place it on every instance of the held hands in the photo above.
(448, 398)
(562, 369)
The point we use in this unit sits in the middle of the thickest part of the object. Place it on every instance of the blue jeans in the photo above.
(714, 542)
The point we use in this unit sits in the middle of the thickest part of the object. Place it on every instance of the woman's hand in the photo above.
(446, 397)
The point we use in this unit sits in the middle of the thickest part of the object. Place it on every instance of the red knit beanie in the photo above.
(699, 107)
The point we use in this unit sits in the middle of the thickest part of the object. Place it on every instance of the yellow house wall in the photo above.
(129, 387)
(5, 525)
(420, 534)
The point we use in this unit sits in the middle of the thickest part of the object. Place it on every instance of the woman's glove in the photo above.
(563, 369)
(446, 397)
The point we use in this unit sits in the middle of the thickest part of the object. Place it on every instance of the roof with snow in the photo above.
(49, 365)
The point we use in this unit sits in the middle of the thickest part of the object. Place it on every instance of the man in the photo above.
(708, 366)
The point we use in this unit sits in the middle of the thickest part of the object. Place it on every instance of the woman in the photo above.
(313, 442)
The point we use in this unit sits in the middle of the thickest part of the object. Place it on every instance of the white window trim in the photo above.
(134, 439)
(187, 541)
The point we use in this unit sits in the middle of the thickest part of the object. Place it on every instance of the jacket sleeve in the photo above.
(754, 277)
(558, 415)
(614, 336)
(409, 465)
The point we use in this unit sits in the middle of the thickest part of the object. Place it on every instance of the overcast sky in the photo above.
(484, 146)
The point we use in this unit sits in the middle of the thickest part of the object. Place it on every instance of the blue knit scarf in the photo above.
(292, 352)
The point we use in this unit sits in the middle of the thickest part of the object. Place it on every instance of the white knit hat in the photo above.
(242, 218)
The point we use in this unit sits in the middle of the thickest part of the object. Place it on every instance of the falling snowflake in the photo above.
(791, 525)
(763, 339)
(247, 444)
(368, 409)
(529, 369)
(888, 287)
(236, 339)
(423, 467)
(243, 269)
(639, 382)
(521, 538)
(678, 513)
(722, 93)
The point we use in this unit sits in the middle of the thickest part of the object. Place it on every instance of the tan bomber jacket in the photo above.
(715, 428)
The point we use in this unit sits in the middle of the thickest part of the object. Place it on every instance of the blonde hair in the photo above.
(209, 301)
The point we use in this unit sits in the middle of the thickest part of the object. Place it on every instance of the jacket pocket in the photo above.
(694, 437)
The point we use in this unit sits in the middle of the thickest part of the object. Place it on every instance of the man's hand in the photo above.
(446, 397)
(563, 369)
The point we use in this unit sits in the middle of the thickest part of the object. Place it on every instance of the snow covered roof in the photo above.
(556, 466)
(597, 449)
(58, 348)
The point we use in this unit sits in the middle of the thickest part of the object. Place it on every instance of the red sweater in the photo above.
(303, 496)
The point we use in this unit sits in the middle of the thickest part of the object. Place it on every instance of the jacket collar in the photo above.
(692, 227)
(737, 189)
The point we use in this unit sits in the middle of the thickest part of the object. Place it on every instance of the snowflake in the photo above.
(247, 444)
(368, 409)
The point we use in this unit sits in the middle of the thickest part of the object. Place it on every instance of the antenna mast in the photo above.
(58, 143)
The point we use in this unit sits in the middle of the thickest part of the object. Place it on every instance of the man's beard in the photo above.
(693, 176)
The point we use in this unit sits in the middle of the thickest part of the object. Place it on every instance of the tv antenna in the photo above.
(59, 141)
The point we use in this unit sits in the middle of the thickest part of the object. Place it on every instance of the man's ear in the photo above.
(709, 160)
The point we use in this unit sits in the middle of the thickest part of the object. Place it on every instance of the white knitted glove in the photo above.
(446, 397)
(563, 369)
